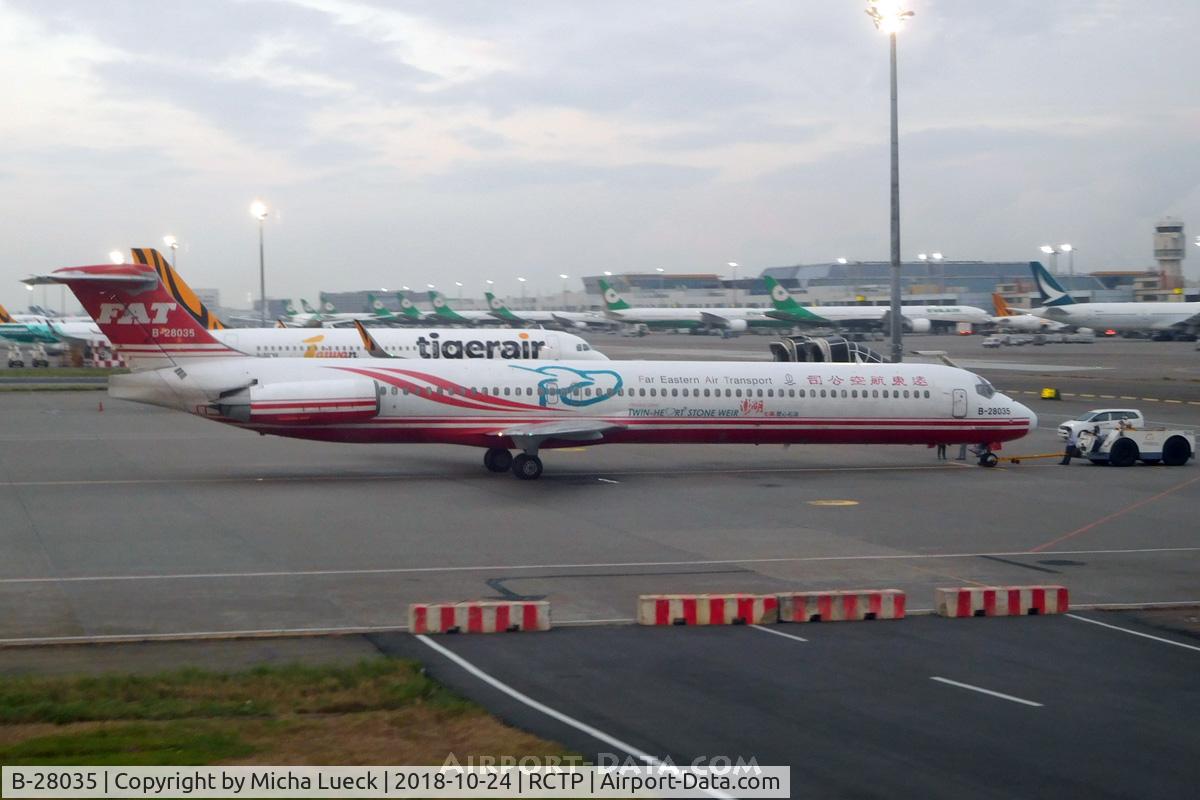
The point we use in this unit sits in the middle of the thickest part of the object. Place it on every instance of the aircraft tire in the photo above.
(988, 460)
(526, 467)
(497, 459)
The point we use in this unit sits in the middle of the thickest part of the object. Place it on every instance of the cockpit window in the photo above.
(985, 389)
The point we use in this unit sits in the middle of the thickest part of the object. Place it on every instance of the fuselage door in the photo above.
(960, 403)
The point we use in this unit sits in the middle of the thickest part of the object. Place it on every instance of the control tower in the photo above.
(1170, 248)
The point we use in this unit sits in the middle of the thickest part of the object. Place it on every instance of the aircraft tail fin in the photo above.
(373, 348)
(499, 309)
(1002, 309)
(5, 317)
(142, 318)
(781, 298)
(407, 309)
(1051, 292)
(612, 299)
(178, 287)
(307, 308)
(442, 308)
(376, 307)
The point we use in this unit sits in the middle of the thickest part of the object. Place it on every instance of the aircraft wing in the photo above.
(572, 430)
(709, 318)
(567, 323)
(1191, 322)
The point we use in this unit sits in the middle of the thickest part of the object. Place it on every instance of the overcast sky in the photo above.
(415, 142)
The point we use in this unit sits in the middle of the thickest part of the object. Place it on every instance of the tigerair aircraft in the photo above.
(1008, 320)
(500, 406)
(412, 342)
(734, 320)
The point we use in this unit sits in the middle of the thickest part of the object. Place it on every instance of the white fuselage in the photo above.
(1124, 316)
(1025, 323)
(431, 343)
(951, 313)
(633, 402)
(332, 343)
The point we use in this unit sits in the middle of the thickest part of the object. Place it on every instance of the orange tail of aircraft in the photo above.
(1002, 309)
(178, 287)
(5, 316)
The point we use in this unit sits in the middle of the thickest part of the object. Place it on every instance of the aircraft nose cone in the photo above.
(1027, 412)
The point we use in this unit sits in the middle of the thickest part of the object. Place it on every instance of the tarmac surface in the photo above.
(138, 520)
(133, 521)
(922, 707)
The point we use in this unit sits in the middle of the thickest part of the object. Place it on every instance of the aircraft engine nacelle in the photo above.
(736, 325)
(919, 325)
(302, 402)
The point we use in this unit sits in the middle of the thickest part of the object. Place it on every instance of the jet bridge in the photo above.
(824, 349)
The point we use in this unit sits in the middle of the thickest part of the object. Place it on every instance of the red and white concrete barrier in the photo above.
(839, 606)
(479, 617)
(708, 609)
(1000, 601)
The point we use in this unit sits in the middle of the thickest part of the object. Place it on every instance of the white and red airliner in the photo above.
(504, 406)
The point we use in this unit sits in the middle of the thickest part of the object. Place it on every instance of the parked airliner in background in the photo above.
(918, 319)
(41, 329)
(501, 406)
(562, 319)
(1059, 306)
(409, 342)
(1008, 320)
(726, 319)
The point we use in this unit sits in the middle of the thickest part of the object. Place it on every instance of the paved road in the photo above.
(856, 710)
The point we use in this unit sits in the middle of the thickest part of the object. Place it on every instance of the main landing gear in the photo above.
(525, 466)
(497, 459)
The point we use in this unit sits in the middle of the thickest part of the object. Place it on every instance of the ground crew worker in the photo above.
(1072, 447)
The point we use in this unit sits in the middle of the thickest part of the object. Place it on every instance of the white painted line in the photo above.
(525, 699)
(582, 565)
(606, 480)
(981, 690)
(778, 633)
(1135, 633)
